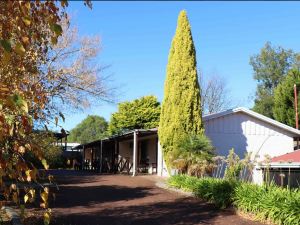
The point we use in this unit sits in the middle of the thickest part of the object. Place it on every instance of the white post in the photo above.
(160, 160)
(135, 149)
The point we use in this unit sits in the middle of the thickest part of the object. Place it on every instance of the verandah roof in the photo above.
(119, 137)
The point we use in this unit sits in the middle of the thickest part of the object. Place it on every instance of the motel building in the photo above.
(138, 151)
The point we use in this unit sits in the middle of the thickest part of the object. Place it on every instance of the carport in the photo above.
(284, 170)
(131, 152)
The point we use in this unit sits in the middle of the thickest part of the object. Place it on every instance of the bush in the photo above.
(234, 166)
(51, 153)
(192, 154)
(279, 205)
(217, 191)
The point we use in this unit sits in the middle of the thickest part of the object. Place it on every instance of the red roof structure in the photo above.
(289, 157)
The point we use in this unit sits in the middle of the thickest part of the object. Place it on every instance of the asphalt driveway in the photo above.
(91, 199)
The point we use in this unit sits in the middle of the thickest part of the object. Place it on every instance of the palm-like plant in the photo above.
(193, 155)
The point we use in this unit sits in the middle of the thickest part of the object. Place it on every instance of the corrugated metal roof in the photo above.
(292, 157)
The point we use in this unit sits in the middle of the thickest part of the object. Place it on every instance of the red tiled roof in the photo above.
(289, 157)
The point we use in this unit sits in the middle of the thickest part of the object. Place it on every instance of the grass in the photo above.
(272, 203)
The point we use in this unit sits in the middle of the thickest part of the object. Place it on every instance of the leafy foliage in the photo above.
(267, 203)
(281, 206)
(234, 166)
(192, 154)
(28, 31)
(52, 153)
(270, 67)
(218, 191)
(141, 113)
(90, 129)
(284, 110)
(79, 80)
(181, 112)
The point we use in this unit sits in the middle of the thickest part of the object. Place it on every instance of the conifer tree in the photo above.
(181, 112)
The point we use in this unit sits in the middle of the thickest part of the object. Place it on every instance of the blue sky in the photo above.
(136, 37)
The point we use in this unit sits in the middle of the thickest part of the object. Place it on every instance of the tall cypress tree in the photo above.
(181, 112)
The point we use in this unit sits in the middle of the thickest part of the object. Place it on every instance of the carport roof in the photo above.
(288, 160)
(127, 134)
(291, 157)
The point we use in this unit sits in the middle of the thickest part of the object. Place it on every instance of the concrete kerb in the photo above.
(165, 186)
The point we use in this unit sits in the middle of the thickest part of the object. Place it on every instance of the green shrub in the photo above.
(192, 154)
(282, 206)
(273, 203)
(234, 166)
(214, 190)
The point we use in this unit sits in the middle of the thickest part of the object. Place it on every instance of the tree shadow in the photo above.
(122, 200)
(73, 196)
(63, 177)
(184, 211)
(228, 132)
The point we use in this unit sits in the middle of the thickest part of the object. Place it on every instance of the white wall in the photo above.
(245, 133)
(151, 150)
(161, 164)
(248, 134)
(126, 151)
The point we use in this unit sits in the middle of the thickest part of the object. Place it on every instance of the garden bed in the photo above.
(267, 203)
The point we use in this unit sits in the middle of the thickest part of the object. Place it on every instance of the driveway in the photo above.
(91, 199)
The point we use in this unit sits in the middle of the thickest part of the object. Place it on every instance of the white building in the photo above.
(68, 146)
(242, 129)
(246, 131)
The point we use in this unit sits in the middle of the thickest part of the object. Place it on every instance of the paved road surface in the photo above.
(91, 199)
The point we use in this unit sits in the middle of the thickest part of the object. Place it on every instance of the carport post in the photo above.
(101, 149)
(83, 158)
(135, 149)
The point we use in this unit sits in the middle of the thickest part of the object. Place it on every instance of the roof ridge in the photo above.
(253, 114)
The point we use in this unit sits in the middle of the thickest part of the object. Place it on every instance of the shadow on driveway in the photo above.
(72, 196)
(92, 199)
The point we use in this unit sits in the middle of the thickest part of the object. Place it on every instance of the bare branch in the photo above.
(214, 94)
(73, 72)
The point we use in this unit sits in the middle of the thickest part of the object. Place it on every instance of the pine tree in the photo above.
(181, 112)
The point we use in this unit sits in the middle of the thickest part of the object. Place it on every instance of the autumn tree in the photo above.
(284, 100)
(90, 129)
(79, 79)
(142, 113)
(52, 153)
(270, 67)
(181, 111)
(28, 32)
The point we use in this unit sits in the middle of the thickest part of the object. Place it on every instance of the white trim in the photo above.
(255, 115)
(282, 165)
